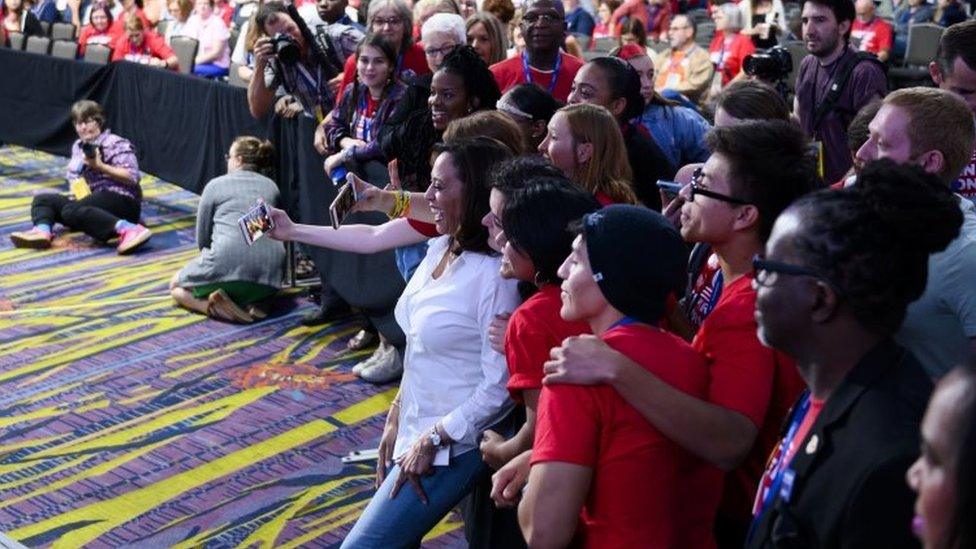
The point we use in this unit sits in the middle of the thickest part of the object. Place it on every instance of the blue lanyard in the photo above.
(315, 84)
(780, 468)
(717, 282)
(625, 321)
(555, 71)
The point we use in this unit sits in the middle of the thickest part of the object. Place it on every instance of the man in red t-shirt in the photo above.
(544, 28)
(757, 168)
(870, 33)
(601, 473)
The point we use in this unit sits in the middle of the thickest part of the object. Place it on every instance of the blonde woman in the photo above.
(585, 143)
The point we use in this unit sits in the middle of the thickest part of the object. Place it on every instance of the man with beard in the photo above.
(541, 63)
(834, 82)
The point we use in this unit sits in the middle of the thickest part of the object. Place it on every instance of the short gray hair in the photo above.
(402, 11)
(734, 19)
(448, 24)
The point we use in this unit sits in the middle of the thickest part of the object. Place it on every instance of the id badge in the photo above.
(816, 148)
(319, 115)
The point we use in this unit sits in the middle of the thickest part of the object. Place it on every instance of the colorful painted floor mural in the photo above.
(125, 421)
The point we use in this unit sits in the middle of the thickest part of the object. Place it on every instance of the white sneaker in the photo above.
(377, 356)
(385, 370)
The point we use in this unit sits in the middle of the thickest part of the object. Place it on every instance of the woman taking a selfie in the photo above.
(108, 165)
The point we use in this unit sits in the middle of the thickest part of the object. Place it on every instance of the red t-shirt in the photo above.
(509, 73)
(749, 378)
(413, 60)
(965, 185)
(873, 37)
(533, 330)
(153, 45)
(91, 36)
(427, 229)
(646, 490)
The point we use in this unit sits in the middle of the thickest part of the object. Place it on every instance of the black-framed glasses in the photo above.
(762, 268)
(695, 188)
(443, 50)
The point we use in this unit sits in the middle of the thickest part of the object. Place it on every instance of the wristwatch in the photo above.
(434, 437)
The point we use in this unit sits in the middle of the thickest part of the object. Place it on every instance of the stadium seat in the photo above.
(705, 33)
(16, 40)
(923, 45)
(97, 53)
(162, 26)
(64, 49)
(38, 44)
(62, 31)
(46, 27)
(186, 52)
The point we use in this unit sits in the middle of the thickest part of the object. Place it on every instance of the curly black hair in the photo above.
(510, 175)
(463, 61)
(873, 240)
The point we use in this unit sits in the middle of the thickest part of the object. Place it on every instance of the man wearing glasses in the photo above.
(685, 67)
(756, 170)
(541, 63)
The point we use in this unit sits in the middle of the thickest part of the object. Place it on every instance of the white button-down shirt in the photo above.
(451, 374)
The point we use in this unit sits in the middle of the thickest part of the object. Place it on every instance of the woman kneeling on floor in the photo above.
(112, 202)
(230, 277)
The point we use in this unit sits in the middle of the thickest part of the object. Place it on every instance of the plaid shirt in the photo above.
(117, 152)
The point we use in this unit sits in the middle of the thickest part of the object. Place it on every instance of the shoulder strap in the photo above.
(840, 82)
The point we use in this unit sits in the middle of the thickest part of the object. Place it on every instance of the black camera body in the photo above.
(285, 48)
(772, 65)
(88, 149)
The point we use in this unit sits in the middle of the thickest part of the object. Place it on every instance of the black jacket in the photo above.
(849, 489)
(648, 164)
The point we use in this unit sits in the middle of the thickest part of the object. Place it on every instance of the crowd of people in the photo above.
(648, 301)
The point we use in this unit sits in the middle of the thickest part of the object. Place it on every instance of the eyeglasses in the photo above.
(541, 18)
(695, 188)
(390, 21)
(763, 267)
(443, 50)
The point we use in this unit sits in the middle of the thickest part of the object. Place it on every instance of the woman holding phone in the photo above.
(229, 278)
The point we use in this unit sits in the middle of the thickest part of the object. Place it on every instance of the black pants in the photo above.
(94, 215)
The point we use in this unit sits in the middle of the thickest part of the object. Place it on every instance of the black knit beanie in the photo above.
(637, 257)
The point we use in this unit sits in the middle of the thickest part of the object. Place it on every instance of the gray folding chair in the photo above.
(39, 44)
(162, 26)
(923, 45)
(64, 49)
(97, 53)
(705, 33)
(16, 40)
(185, 49)
(45, 27)
(63, 31)
(234, 79)
(232, 41)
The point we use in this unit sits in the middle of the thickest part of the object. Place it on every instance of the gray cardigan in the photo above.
(224, 255)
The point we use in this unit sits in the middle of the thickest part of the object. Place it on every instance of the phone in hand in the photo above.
(343, 202)
(670, 188)
(256, 223)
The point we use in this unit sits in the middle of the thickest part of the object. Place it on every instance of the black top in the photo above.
(849, 489)
(408, 135)
(648, 164)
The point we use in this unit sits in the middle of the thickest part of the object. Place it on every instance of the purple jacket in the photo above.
(116, 151)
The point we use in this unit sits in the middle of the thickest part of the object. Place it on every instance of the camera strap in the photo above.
(839, 83)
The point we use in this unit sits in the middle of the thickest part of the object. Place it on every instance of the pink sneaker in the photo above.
(34, 238)
(132, 238)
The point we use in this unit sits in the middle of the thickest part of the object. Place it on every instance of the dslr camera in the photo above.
(772, 65)
(88, 149)
(285, 48)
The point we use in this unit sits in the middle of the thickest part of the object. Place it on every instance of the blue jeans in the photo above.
(404, 520)
(408, 258)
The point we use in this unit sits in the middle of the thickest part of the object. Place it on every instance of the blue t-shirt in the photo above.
(579, 21)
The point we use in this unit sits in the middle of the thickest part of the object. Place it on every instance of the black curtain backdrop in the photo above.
(182, 126)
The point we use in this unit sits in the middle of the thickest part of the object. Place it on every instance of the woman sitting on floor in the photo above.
(113, 200)
(229, 276)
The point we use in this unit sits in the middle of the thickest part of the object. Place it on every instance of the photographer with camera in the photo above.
(111, 204)
(834, 82)
(295, 62)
